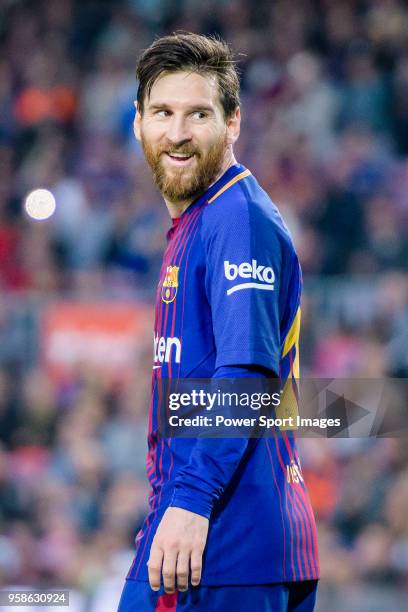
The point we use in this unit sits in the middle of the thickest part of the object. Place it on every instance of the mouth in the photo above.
(180, 159)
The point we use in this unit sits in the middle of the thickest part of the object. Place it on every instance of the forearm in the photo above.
(213, 461)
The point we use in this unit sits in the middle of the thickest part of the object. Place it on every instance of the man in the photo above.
(230, 525)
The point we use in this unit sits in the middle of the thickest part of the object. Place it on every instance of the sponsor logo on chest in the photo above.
(166, 350)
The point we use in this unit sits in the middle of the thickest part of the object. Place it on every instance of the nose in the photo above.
(178, 131)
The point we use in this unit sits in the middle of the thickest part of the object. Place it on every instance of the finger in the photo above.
(196, 566)
(154, 566)
(169, 570)
(183, 562)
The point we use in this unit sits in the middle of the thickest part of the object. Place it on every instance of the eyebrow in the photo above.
(193, 107)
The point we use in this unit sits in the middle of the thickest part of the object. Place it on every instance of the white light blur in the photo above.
(40, 204)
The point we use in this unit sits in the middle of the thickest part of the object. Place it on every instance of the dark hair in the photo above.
(195, 53)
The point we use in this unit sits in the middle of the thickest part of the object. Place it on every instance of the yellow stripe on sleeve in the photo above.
(292, 336)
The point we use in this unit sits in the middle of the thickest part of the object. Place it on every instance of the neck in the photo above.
(176, 209)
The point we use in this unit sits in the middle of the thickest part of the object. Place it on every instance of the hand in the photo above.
(177, 546)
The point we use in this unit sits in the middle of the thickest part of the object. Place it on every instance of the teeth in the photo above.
(179, 155)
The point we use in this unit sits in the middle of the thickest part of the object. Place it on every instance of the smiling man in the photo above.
(230, 525)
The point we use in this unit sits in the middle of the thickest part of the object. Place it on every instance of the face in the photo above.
(185, 136)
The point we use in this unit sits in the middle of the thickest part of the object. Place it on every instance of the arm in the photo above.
(180, 539)
(201, 483)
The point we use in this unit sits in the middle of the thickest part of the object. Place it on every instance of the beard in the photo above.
(183, 184)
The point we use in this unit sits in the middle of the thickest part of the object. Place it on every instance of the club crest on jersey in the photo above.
(170, 284)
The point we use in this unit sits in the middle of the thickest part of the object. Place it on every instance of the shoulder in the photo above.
(246, 210)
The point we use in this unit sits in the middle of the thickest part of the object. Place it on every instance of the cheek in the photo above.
(152, 133)
(209, 137)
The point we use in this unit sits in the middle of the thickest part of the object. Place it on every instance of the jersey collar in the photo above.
(224, 182)
(230, 176)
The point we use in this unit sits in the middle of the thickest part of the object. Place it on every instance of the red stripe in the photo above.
(179, 258)
(303, 517)
(298, 539)
(184, 283)
(149, 460)
(180, 241)
(313, 556)
(192, 234)
(187, 234)
(160, 304)
(287, 510)
(300, 514)
(294, 497)
(292, 489)
(313, 527)
(185, 231)
(157, 324)
(281, 509)
(308, 540)
(175, 256)
(180, 238)
(167, 602)
(304, 504)
(160, 329)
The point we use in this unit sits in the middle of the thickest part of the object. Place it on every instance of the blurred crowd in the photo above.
(325, 131)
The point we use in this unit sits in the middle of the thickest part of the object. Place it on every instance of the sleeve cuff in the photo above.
(185, 500)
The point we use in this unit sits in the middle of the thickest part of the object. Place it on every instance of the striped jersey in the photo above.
(229, 294)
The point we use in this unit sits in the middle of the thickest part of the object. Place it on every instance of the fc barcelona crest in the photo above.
(170, 284)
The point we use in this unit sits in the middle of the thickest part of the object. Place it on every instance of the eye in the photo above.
(199, 115)
(162, 113)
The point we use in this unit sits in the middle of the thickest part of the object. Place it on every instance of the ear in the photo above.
(234, 126)
(136, 121)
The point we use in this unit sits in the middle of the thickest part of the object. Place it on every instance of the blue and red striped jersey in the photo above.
(229, 294)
